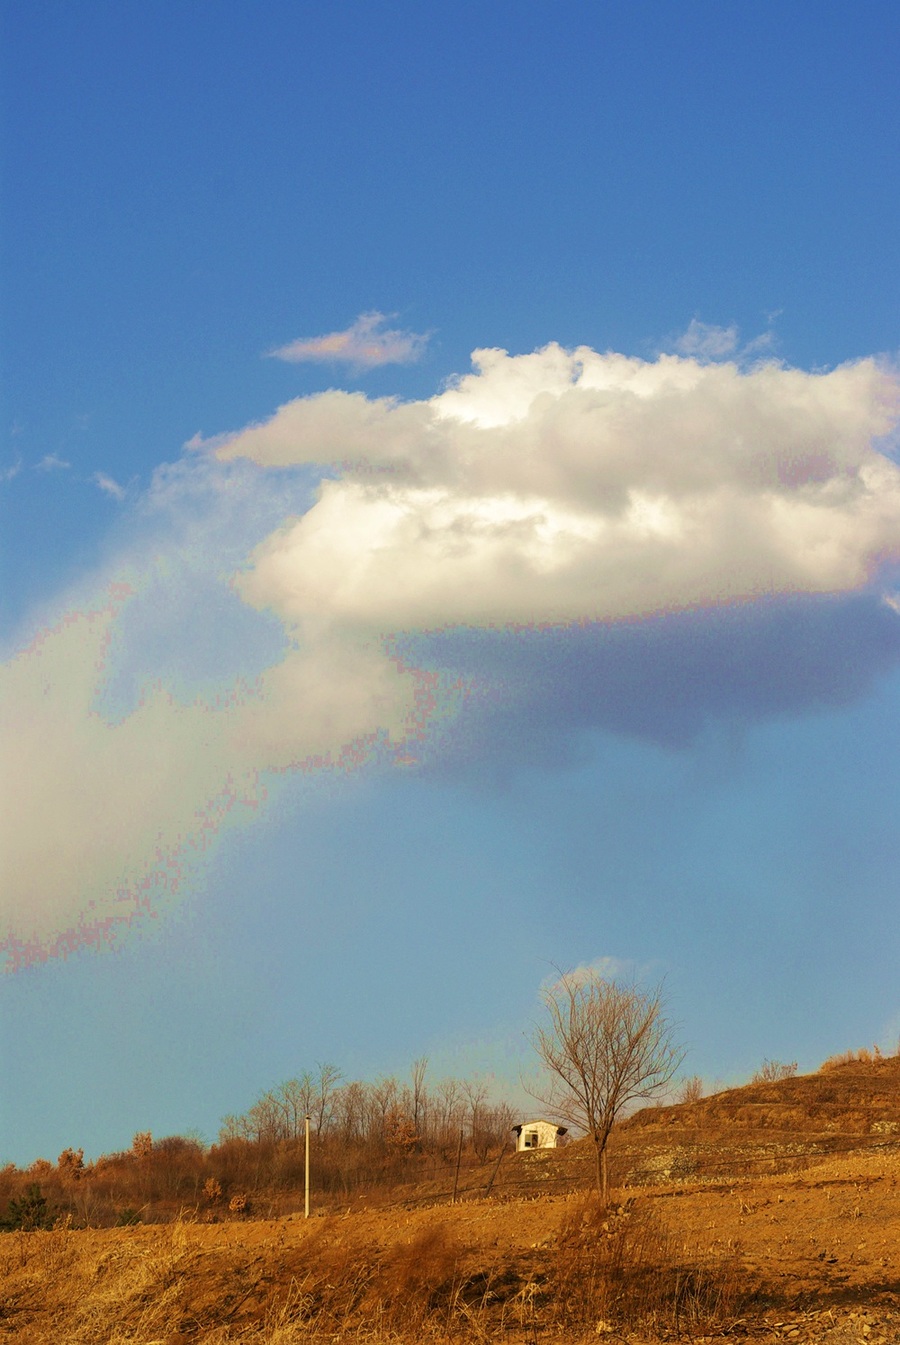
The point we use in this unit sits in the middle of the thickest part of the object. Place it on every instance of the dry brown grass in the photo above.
(378, 1280)
(863, 1056)
(724, 1211)
(665, 1263)
(623, 1268)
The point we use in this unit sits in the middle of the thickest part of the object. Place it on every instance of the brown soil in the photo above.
(767, 1213)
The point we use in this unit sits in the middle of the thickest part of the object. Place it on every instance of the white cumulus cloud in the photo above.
(606, 968)
(570, 485)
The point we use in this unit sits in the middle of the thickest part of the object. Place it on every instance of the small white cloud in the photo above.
(108, 485)
(366, 344)
(706, 341)
(51, 463)
(606, 968)
(9, 473)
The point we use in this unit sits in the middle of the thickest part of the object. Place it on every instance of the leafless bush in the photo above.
(619, 1266)
(419, 1273)
(772, 1071)
(142, 1144)
(691, 1090)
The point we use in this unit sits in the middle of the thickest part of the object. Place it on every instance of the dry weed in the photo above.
(863, 1056)
(419, 1284)
(773, 1071)
(618, 1265)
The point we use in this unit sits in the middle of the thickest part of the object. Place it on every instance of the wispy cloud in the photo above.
(704, 340)
(51, 463)
(108, 485)
(136, 794)
(366, 344)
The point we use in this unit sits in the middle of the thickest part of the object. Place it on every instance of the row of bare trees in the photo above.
(387, 1116)
(604, 1046)
(368, 1139)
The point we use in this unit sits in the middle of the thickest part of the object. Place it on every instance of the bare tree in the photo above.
(296, 1096)
(383, 1103)
(419, 1100)
(448, 1111)
(475, 1092)
(605, 1045)
(266, 1119)
(326, 1088)
(350, 1112)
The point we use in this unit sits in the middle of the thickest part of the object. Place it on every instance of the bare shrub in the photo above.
(142, 1144)
(691, 1090)
(212, 1190)
(419, 1273)
(773, 1071)
(625, 1270)
(71, 1164)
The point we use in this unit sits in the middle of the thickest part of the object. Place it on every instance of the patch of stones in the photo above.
(817, 1326)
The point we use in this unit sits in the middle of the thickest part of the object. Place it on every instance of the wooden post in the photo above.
(456, 1173)
(487, 1189)
(306, 1200)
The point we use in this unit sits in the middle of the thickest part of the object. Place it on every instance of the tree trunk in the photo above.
(602, 1170)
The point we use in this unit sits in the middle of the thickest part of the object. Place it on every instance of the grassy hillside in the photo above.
(770, 1212)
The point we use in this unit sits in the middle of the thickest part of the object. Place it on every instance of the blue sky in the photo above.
(350, 683)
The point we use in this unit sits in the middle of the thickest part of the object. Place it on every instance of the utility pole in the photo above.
(306, 1203)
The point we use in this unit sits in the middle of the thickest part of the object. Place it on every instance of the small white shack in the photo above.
(538, 1135)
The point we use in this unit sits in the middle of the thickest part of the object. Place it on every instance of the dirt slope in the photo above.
(714, 1246)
